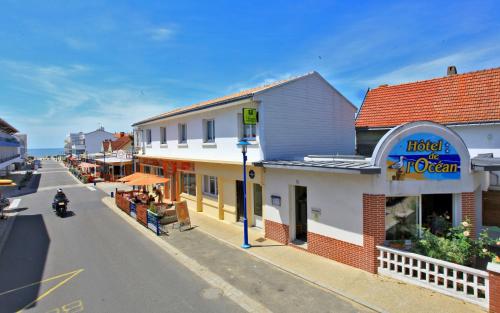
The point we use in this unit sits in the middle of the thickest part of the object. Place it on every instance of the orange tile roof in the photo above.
(117, 144)
(464, 98)
(221, 100)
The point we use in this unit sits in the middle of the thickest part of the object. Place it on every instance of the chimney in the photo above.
(122, 134)
(452, 70)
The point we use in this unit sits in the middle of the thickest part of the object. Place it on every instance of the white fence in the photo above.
(458, 281)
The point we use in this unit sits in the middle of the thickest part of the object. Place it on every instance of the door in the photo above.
(257, 205)
(301, 213)
(239, 201)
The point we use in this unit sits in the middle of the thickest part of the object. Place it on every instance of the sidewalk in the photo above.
(383, 293)
(216, 244)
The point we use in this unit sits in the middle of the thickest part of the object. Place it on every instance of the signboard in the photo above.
(121, 154)
(423, 156)
(251, 173)
(249, 116)
(181, 209)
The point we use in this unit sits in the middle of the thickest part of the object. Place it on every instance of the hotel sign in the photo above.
(423, 156)
(249, 116)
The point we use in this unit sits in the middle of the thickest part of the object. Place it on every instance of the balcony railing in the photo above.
(9, 142)
(6, 159)
(455, 280)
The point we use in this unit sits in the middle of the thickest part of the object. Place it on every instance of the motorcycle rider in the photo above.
(60, 196)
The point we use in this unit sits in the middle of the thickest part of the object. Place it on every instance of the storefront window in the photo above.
(188, 183)
(401, 214)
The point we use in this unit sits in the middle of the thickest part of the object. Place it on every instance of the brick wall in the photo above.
(363, 257)
(469, 209)
(373, 229)
(276, 231)
(494, 292)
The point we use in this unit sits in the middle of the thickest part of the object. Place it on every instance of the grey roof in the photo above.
(336, 166)
(485, 162)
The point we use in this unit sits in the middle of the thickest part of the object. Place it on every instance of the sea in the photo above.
(43, 152)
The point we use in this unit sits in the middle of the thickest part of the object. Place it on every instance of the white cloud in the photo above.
(161, 33)
(72, 105)
(79, 44)
(467, 60)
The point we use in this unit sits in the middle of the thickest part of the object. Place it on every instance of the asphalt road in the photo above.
(91, 261)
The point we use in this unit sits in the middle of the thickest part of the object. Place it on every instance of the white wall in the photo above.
(480, 138)
(339, 196)
(306, 116)
(226, 136)
(93, 140)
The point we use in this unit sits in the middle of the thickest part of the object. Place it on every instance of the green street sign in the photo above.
(249, 116)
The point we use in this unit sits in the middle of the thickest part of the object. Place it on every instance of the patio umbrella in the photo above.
(147, 180)
(132, 177)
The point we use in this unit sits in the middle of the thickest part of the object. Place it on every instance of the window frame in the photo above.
(149, 136)
(190, 176)
(242, 129)
(182, 133)
(207, 186)
(207, 130)
(163, 135)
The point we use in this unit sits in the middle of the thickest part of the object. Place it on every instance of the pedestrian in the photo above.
(159, 194)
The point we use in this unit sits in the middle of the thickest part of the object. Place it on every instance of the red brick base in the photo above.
(469, 210)
(276, 231)
(363, 257)
(494, 292)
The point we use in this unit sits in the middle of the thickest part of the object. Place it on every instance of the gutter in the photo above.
(192, 110)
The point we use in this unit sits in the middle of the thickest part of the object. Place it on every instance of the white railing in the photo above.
(455, 280)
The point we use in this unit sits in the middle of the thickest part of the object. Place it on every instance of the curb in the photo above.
(301, 276)
(232, 293)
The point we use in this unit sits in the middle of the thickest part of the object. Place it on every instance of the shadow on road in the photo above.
(22, 262)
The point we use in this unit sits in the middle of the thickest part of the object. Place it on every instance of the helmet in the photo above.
(59, 190)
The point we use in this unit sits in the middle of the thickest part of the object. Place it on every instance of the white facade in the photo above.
(80, 143)
(338, 197)
(304, 114)
(9, 148)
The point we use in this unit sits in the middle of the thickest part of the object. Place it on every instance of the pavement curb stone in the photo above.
(245, 302)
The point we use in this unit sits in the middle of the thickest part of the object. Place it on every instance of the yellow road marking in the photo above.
(41, 282)
(75, 273)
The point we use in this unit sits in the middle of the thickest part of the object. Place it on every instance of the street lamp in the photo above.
(243, 144)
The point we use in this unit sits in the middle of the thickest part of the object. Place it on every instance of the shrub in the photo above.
(456, 246)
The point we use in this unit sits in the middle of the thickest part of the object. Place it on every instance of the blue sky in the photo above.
(69, 66)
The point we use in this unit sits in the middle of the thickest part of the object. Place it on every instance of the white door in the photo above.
(257, 205)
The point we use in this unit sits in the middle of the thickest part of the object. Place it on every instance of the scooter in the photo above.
(61, 207)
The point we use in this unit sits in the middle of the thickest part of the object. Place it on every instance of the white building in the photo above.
(196, 146)
(9, 148)
(86, 143)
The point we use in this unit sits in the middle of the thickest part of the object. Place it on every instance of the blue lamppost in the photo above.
(243, 144)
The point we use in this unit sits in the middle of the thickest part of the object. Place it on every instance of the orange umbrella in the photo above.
(147, 180)
(133, 176)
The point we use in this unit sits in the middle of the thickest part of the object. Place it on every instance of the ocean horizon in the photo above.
(43, 152)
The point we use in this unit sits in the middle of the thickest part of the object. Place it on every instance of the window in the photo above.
(159, 171)
(182, 133)
(163, 135)
(209, 131)
(188, 183)
(210, 185)
(405, 216)
(248, 132)
(148, 136)
(147, 169)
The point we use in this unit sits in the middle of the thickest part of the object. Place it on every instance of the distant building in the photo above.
(23, 141)
(116, 157)
(86, 143)
(9, 148)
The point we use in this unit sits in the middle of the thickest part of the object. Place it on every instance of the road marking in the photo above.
(60, 186)
(73, 307)
(41, 282)
(72, 275)
(91, 188)
(14, 204)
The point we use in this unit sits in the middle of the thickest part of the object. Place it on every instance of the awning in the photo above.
(115, 160)
(87, 165)
(132, 177)
(485, 162)
(147, 180)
